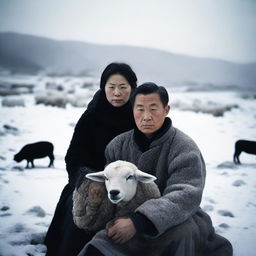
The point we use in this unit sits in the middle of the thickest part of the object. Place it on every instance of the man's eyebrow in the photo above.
(151, 105)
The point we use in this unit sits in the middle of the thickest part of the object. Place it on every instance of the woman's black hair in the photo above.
(148, 88)
(118, 68)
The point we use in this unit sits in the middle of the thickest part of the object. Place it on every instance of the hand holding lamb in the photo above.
(115, 192)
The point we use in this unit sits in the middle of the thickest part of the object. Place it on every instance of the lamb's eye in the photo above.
(130, 177)
(106, 178)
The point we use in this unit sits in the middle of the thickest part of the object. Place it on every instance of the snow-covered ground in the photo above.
(28, 196)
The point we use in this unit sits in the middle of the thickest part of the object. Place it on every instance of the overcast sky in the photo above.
(223, 29)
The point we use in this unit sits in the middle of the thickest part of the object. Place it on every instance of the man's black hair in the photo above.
(148, 88)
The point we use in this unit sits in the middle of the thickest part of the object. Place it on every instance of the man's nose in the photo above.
(146, 116)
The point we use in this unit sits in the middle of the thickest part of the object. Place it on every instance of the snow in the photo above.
(29, 196)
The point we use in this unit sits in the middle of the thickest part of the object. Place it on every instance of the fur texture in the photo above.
(92, 209)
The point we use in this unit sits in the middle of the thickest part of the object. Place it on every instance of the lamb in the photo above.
(246, 146)
(35, 150)
(112, 193)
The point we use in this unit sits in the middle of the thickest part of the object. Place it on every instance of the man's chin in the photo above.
(148, 132)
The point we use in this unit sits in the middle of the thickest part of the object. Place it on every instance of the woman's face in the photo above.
(117, 90)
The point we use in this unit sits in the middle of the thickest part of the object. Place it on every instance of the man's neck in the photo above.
(144, 140)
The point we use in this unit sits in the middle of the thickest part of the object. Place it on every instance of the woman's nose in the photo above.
(117, 92)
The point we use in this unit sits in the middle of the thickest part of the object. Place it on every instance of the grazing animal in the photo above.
(35, 150)
(246, 146)
(114, 192)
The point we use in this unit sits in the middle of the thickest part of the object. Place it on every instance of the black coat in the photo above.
(98, 125)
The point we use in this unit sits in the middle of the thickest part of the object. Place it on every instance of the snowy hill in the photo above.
(33, 54)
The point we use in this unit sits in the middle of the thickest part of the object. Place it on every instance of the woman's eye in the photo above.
(130, 177)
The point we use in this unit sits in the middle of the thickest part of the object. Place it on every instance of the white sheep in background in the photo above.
(114, 192)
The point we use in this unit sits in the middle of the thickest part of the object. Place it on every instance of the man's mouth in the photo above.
(147, 126)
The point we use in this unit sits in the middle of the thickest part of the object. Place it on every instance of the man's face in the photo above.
(149, 113)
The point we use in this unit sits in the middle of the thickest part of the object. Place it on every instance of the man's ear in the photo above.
(144, 177)
(96, 176)
(167, 109)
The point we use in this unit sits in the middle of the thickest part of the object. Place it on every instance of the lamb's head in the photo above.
(121, 179)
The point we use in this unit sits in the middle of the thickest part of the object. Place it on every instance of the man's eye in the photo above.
(130, 177)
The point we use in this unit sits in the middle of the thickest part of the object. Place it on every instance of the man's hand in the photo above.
(122, 230)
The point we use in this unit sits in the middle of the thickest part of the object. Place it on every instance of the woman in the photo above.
(108, 114)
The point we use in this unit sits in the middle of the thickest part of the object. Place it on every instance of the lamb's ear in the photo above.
(96, 176)
(144, 177)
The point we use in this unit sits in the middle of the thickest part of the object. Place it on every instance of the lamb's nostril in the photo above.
(114, 192)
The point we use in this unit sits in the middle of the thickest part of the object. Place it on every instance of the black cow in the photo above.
(244, 146)
(35, 150)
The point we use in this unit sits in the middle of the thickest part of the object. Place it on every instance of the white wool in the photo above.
(93, 202)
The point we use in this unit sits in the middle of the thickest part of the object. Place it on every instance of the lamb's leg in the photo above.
(27, 166)
(32, 163)
(236, 157)
(238, 160)
(51, 156)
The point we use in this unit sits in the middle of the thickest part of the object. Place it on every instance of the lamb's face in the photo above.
(121, 183)
(18, 158)
(121, 179)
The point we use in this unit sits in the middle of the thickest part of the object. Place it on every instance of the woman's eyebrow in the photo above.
(117, 84)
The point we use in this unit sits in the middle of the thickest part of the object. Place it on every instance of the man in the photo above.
(173, 224)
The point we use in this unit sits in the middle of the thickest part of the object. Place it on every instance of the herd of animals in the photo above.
(115, 195)
(45, 148)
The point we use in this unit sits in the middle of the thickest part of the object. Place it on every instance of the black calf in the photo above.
(35, 150)
(244, 146)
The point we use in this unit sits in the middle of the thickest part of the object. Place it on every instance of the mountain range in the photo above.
(21, 53)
